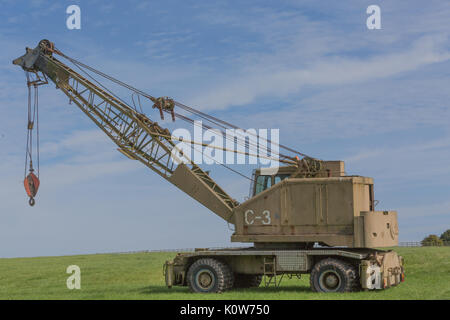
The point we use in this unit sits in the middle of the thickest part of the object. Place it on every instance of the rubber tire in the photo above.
(247, 280)
(223, 276)
(347, 272)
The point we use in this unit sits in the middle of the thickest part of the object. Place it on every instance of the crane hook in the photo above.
(31, 184)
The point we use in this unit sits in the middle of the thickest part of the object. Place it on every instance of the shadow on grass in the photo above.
(261, 289)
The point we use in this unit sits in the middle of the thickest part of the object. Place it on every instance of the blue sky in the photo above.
(378, 99)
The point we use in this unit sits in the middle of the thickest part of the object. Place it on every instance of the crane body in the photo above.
(305, 204)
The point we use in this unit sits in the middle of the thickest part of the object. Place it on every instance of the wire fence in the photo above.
(423, 244)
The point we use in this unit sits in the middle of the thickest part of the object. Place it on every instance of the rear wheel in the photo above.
(247, 280)
(334, 275)
(209, 276)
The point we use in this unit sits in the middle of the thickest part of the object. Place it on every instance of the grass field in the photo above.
(139, 276)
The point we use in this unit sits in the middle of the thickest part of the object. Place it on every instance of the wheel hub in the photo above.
(330, 281)
(205, 279)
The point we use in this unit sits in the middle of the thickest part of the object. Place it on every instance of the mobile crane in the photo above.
(309, 217)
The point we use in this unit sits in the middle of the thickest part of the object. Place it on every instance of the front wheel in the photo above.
(334, 275)
(209, 276)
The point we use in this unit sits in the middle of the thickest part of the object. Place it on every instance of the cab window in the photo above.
(280, 177)
(263, 183)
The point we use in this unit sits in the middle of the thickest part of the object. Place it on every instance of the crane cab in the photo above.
(329, 208)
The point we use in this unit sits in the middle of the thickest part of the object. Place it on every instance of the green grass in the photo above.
(139, 276)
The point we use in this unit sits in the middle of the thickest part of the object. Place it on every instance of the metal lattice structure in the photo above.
(137, 136)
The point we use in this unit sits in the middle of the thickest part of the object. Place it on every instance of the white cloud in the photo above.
(423, 148)
(246, 88)
(78, 141)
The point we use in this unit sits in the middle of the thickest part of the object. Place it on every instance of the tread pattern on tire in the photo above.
(348, 270)
(247, 280)
(224, 275)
